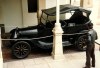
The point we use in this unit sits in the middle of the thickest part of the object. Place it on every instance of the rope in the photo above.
(98, 44)
(43, 37)
(30, 39)
(47, 37)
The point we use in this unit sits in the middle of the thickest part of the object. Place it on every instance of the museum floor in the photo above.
(73, 59)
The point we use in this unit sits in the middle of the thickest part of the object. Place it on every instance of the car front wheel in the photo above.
(81, 43)
(21, 49)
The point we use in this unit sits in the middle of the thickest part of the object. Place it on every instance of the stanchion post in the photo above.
(57, 51)
(1, 59)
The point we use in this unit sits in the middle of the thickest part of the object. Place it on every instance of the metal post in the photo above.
(57, 52)
(1, 59)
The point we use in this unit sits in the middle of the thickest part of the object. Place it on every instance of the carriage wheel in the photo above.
(81, 43)
(21, 49)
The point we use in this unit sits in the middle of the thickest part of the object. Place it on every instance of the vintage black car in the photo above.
(75, 29)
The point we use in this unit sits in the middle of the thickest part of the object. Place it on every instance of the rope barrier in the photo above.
(46, 37)
(29, 39)
(11, 26)
(42, 37)
(98, 44)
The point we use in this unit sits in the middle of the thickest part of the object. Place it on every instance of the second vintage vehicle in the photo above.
(41, 35)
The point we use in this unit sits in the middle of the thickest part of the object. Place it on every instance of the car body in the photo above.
(75, 29)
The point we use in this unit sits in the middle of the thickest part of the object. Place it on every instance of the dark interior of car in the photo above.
(76, 19)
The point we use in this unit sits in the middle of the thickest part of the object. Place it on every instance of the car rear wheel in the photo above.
(81, 43)
(21, 49)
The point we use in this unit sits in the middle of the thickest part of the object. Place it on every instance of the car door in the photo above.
(45, 37)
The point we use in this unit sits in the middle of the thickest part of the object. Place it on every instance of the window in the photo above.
(32, 6)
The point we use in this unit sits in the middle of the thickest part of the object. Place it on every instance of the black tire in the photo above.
(21, 49)
(81, 43)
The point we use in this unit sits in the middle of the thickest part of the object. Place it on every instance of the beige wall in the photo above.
(52, 3)
(29, 19)
(1, 19)
(95, 11)
(15, 14)
(1, 59)
(12, 14)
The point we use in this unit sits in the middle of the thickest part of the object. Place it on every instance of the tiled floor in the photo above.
(72, 60)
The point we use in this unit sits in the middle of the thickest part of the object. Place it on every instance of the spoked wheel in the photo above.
(81, 43)
(21, 49)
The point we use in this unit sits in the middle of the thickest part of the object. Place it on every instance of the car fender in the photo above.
(84, 31)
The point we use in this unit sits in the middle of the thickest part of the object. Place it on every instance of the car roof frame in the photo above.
(65, 9)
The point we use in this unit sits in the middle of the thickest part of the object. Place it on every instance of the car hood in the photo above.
(24, 32)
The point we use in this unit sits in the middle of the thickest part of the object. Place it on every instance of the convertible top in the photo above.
(64, 9)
